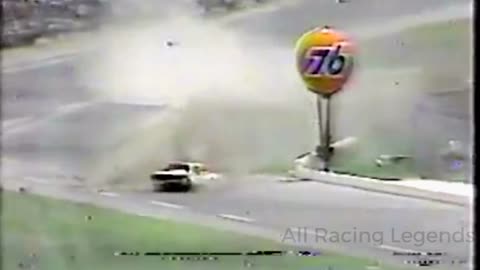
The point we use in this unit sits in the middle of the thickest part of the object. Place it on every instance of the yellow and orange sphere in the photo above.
(324, 59)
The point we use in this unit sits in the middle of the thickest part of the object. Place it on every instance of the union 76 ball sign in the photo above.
(324, 60)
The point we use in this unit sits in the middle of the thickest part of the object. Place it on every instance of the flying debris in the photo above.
(383, 160)
(171, 43)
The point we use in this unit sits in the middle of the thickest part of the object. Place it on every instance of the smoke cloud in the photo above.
(239, 103)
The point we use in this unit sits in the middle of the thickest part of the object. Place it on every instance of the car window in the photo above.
(177, 166)
(196, 169)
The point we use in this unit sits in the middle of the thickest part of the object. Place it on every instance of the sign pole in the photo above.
(325, 62)
(321, 135)
(328, 137)
(323, 149)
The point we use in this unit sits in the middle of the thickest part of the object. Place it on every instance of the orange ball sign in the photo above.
(324, 60)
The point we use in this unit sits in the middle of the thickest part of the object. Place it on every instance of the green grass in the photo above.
(61, 237)
(422, 45)
(445, 34)
(361, 160)
(443, 51)
(359, 167)
(275, 167)
(362, 168)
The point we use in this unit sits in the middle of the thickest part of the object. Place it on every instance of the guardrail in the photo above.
(380, 186)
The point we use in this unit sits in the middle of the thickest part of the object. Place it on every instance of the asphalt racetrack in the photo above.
(55, 136)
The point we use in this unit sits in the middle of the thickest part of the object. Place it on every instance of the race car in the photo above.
(183, 175)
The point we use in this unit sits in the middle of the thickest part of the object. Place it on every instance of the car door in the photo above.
(201, 173)
(195, 173)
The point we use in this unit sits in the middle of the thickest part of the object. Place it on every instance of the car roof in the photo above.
(187, 163)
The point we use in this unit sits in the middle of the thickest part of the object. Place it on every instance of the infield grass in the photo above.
(423, 45)
(43, 233)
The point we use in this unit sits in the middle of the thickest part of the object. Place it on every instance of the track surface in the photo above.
(53, 134)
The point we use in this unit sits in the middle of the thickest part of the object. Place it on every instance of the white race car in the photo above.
(182, 175)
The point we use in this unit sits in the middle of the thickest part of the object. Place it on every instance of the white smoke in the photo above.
(241, 104)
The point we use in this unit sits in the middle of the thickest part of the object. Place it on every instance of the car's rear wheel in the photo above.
(157, 187)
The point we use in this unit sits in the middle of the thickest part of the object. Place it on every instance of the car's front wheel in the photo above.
(157, 187)
(188, 185)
